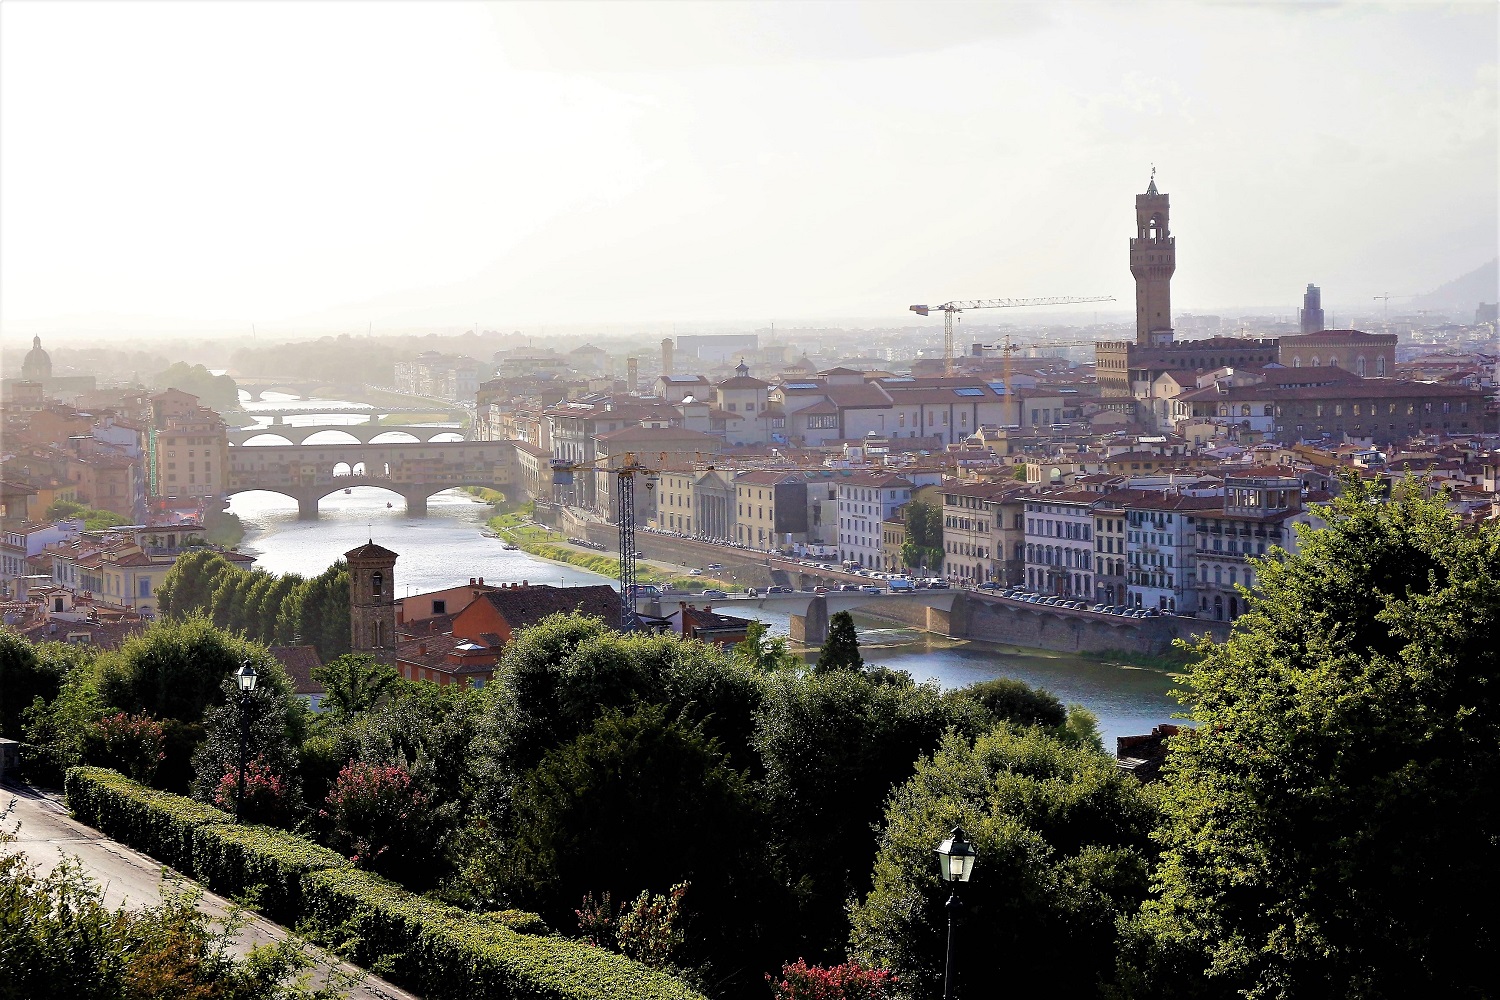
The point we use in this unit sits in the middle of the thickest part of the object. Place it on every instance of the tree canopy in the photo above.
(1333, 827)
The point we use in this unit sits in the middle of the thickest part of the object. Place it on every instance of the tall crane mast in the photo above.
(950, 308)
(1009, 348)
(626, 473)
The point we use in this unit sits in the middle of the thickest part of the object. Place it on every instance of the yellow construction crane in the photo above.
(948, 310)
(1008, 349)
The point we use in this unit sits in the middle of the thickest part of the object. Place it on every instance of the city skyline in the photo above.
(318, 168)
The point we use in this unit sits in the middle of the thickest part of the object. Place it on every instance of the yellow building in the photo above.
(189, 448)
(674, 502)
(892, 541)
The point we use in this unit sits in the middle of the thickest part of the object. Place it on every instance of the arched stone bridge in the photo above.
(964, 615)
(362, 433)
(308, 473)
(809, 612)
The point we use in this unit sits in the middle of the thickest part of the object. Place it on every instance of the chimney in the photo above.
(525, 583)
(471, 581)
(481, 581)
(421, 649)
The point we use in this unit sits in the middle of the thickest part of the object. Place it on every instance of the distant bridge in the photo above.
(373, 413)
(257, 386)
(362, 433)
(308, 473)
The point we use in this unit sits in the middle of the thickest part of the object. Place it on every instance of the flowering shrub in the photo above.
(266, 793)
(134, 745)
(850, 981)
(376, 815)
(596, 921)
(648, 929)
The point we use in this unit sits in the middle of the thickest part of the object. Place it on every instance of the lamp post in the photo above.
(245, 678)
(955, 864)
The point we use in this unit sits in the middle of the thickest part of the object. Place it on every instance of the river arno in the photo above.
(448, 547)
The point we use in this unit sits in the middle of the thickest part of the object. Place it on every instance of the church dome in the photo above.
(38, 364)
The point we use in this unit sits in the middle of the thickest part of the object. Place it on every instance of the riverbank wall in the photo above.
(975, 616)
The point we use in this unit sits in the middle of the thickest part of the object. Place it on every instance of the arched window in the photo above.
(1296, 361)
(1315, 361)
(1359, 366)
(1245, 410)
(1380, 366)
(377, 580)
(1268, 409)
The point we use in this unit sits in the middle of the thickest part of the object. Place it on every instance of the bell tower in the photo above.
(372, 599)
(1153, 258)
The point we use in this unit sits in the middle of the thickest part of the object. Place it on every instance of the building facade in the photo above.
(1060, 542)
(866, 501)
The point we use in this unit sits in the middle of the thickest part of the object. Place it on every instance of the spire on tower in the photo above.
(1151, 188)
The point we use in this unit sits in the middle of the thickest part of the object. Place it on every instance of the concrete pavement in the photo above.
(131, 879)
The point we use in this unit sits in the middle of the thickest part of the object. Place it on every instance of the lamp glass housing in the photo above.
(246, 677)
(956, 857)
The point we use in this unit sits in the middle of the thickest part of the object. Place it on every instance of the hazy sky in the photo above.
(320, 166)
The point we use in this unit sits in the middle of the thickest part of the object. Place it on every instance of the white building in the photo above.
(865, 500)
(1060, 542)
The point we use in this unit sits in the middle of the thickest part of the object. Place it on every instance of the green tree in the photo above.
(1333, 825)
(217, 392)
(58, 728)
(276, 721)
(841, 649)
(1010, 700)
(765, 652)
(24, 677)
(354, 683)
(1063, 852)
(174, 670)
(832, 746)
(189, 585)
(640, 801)
(923, 546)
(318, 611)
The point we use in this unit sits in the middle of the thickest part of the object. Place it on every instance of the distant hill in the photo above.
(1462, 295)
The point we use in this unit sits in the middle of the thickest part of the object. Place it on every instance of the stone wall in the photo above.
(1066, 631)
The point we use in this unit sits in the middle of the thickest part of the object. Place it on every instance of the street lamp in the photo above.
(955, 864)
(245, 678)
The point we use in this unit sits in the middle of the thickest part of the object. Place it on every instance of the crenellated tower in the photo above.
(1153, 258)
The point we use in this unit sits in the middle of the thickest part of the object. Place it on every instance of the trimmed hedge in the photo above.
(445, 953)
(231, 859)
(437, 950)
(156, 823)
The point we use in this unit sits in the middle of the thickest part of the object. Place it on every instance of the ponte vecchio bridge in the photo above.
(416, 471)
(362, 433)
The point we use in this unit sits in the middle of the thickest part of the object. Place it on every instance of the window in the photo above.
(440, 607)
(377, 581)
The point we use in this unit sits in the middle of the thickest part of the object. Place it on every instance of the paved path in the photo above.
(133, 880)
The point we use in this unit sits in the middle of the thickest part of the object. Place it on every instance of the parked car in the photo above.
(870, 589)
(898, 586)
(715, 566)
(695, 572)
(990, 585)
(713, 594)
(780, 590)
(936, 584)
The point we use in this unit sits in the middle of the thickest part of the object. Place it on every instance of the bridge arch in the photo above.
(259, 438)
